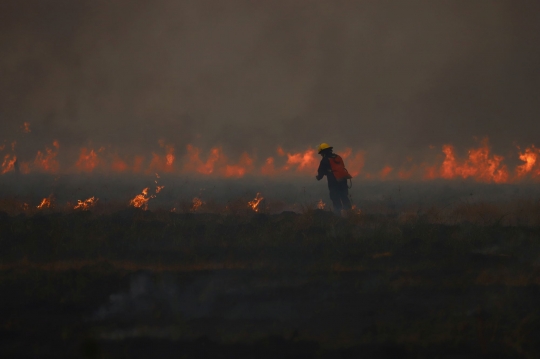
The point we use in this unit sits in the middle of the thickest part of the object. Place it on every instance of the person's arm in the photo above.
(323, 169)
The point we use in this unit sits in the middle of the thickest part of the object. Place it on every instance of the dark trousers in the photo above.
(339, 194)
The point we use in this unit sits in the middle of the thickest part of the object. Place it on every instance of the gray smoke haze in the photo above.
(390, 77)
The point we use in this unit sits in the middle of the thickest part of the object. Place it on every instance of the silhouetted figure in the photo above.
(333, 168)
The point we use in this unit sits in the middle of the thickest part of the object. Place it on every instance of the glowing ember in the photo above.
(159, 188)
(86, 204)
(196, 204)
(255, 203)
(8, 164)
(141, 200)
(26, 127)
(45, 203)
(321, 204)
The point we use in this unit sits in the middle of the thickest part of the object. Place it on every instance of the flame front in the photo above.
(479, 164)
(86, 204)
(255, 203)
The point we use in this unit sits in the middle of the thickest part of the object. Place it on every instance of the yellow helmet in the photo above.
(323, 146)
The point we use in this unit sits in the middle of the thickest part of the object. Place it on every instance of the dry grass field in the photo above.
(460, 281)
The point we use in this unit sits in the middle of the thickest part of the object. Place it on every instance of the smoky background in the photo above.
(388, 77)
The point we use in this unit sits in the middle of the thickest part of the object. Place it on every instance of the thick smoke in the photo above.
(389, 77)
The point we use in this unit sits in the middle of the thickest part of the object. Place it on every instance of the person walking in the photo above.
(333, 168)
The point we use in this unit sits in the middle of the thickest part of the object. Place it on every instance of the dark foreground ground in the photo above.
(136, 284)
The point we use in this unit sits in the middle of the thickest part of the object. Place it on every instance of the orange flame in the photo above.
(385, 172)
(321, 204)
(255, 203)
(479, 165)
(46, 203)
(304, 161)
(239, 170)
(355, 163)
(164, 163)
(268, 169)
(196, 204)
(195, 163)
(26, 127)
(9, 163)
(88, 160)
(118, 165)
(141, 200)
(530, 157)
(86, 204)
(47, 161)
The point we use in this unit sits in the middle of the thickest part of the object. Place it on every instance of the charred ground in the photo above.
(136, 283)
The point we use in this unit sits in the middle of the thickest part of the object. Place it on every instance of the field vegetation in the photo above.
(461, 280)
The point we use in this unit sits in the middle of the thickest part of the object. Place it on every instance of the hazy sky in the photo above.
(391, 77)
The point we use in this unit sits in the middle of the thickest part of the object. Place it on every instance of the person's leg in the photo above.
(344, 196)
(336, 200)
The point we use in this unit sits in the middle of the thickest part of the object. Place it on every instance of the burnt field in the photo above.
(438, 282)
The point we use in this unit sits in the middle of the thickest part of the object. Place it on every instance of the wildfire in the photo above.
(239, 170)
(530, 157)
(46, 161)
(196, 164)
(256, 201)
(86, 204)
(321, 204)
(164, 163)
(8, 164)
(196, 204)
(302, 161)
(88, 160)
(479, 163)
(141, 200)
(45, 203)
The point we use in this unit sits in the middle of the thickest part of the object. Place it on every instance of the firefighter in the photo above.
(333, 168)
